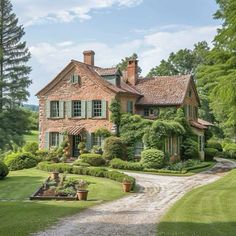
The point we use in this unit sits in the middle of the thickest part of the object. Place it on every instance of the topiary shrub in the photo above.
(215, 145)
(189, 149)
(20, 160)
(125, 165)
(31, 147)
(92, 159)
(152, 158)
(3, 170)
(81, 163)
(210, 153)
(114, 148)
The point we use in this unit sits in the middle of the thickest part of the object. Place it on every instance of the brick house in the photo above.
(76, 101)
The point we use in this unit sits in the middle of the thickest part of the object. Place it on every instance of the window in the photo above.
(190, 93)
(138, 148)
(76, 108)
(201, 143)
(96, 140)
(130, 107)
(149, 111)
(75, 79)
(54, 139)
(54, 108)
(97, 108)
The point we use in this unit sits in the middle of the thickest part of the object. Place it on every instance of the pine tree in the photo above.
(14, 55)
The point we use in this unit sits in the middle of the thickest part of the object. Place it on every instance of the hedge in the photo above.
(152, 158)
(215, 145)
(92, 159)
(92, 171)
(3, 170)
(125, 165)
(210, 153)
(20, 160)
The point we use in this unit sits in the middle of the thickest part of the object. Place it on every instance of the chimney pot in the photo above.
(89, 57)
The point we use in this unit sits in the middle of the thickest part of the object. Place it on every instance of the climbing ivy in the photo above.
(115, 117)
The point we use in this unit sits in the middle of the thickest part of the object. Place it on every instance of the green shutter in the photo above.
(69, 109)
(72, 79)
(83, 109)
(130, 107)
(104, 109)
(47, 141)
(88, 141)
(61, 109)
(61, 138)
(48, 109)
(89, 109)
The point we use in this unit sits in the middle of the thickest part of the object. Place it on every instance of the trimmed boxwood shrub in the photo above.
(125, 165)
(114, 148)
(60, 167)
(31, 147)
(20, 160)
(92, 159)
(189, 149)
(81, 163)
(3, 170)
(230, 150)
(152, 158)
(92, 171)
(215, 145)
(210, 153)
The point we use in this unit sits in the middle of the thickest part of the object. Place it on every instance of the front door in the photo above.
(76, 141)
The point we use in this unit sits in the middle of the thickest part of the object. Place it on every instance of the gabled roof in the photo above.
(164, 90)
(92, 72)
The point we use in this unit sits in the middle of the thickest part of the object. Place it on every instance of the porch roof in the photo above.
(75, 130)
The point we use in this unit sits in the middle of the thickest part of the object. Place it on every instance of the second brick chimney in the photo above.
(89, 57)
(132, 71)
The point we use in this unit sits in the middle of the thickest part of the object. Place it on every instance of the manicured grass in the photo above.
(33, 137)
(205, 211)
(20, 217)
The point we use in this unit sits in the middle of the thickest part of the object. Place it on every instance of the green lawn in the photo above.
(20, 217)
(206, 211)
(33, 137)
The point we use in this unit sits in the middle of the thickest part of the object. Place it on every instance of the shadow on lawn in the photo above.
(197, 229)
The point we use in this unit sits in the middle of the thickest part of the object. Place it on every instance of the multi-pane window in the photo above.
(76, 108)
(54, 139)
(138, 148)
(130, 107)
(149, 111)
(96, 140)
(97, 108)
(54, 107)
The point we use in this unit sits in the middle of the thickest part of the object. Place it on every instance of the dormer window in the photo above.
(75, 79)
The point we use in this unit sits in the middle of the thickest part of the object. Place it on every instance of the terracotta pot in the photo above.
(55, 175)
(127, 186)
(82, 195)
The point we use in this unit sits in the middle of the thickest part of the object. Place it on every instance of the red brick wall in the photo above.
(64, 90)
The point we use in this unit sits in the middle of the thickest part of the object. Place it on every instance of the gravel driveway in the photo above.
(138, 213)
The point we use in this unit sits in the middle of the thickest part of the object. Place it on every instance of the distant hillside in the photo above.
(31, 107)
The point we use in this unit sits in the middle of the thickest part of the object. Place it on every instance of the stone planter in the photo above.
(55, 175)
(82, 195)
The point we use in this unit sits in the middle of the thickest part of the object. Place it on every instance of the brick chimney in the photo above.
(132, 71)
(89, 57)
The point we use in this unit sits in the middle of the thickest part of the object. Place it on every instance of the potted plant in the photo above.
(82, 192)
(82, 147)
(127, 185)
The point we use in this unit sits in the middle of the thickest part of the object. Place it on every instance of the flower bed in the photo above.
(58, 188)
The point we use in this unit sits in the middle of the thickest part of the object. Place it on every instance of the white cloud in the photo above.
(44, 11)
(151, 48)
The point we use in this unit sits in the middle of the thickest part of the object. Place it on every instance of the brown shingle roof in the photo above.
(163, 90)
(197, 125)
(106, 71)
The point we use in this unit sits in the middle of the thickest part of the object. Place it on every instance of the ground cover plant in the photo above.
(28, 217)
(200, 211)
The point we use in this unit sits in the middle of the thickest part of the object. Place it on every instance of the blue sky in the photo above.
(60, 30)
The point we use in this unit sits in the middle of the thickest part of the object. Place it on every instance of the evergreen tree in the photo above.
(14, 55)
